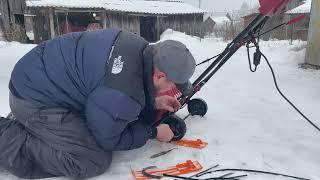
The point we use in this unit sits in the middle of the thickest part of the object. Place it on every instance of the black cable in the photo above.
(200, 173)
(214, 178)
(228, 178)
(271, 29)
(249, 59)
(208, 59)
(276, 84)
(263, 172)
(179, 177)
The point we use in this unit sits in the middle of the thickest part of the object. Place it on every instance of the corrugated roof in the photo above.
(132, 6)
(66, 3)
(304, 8)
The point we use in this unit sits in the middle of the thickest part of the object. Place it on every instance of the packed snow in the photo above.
(248, 124)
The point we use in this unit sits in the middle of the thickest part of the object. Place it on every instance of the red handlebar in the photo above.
(272, 7)
(296, 19)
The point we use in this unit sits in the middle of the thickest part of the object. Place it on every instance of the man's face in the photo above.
(161, 83)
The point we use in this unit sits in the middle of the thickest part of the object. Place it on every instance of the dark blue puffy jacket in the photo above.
(80, 72)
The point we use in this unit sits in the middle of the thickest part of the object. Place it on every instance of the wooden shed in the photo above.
(146, 18)
(12, 20)
(220, 26)
(280, 33)
(1, 27)
(299, 30)
(208, 26)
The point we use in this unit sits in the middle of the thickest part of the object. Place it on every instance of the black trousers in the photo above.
(42, 143)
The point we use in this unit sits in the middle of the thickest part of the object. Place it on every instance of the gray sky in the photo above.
(221, 5)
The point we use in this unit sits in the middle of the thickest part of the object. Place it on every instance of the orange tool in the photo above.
(198, 144)
(154, 172)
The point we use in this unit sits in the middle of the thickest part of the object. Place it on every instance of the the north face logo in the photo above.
(117, 65)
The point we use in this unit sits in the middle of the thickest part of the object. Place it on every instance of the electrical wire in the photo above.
(263, 172)
(249, 59)
(274, 79)
(207, 60)
(276, 84)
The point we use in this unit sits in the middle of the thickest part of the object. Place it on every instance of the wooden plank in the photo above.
(17, 6)
(158, 29)
(51, 23)
(38, 28)
(137, 25)
(6, 16)
(104, 19)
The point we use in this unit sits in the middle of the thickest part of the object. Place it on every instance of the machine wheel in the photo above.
(177, 125)
(197, 106)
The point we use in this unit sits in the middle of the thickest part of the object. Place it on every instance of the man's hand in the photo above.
(167, 103)
(165, 134)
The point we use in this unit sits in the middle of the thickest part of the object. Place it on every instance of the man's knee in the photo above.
(88, 167)
(100, 165)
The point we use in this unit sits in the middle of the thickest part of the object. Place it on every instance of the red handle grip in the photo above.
(296, 19)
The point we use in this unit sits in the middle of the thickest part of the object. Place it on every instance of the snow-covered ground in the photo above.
(248, 124)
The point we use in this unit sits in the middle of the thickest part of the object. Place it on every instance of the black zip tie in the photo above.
(199, 174)
(208, 172)
(226, 178)
(226, 175)
(208, 59)
(236, 177)
(214, 178)
(179, 177)
(263, 172)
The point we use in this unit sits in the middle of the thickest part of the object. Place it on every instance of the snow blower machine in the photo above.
(250, 35)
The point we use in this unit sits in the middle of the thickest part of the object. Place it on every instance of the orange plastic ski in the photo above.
(183, 168)
(199, 144)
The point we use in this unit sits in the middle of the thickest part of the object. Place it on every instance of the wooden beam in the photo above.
(67, 22)
(104, 19)
(51, 23)
(62, 10)
(158, 28)
(147, 15)
(122, 21)
(58, 24)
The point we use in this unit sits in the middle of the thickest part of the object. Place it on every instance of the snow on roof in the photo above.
(65, 3)
(221, 20)
(304, 8)
(133, 6)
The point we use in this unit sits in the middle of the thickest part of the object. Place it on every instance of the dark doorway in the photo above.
(148, 28)
(19, 19)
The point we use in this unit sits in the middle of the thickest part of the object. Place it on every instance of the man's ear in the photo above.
(158, 74)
